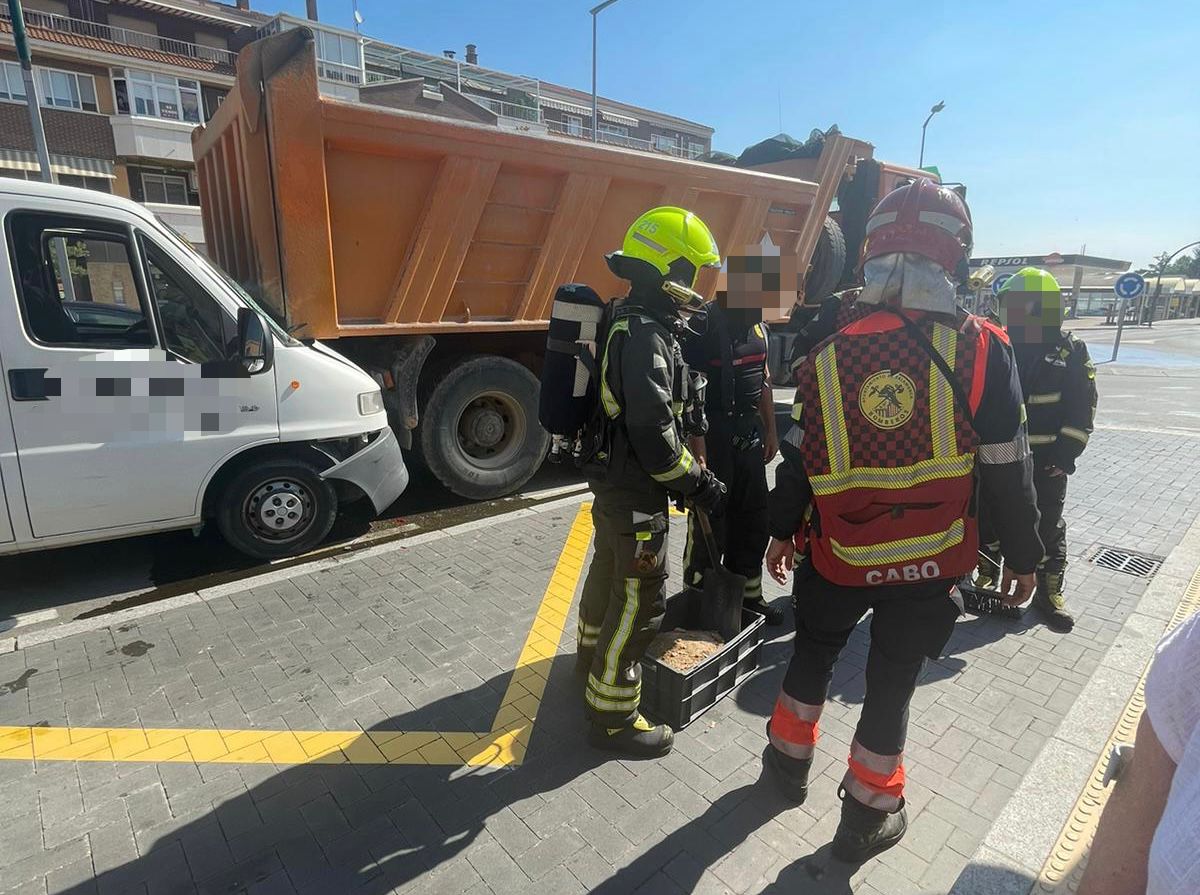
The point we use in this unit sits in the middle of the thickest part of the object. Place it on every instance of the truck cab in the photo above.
(144, 391)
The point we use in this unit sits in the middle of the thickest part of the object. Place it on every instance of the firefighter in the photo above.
(899, 413)
(1058, 381)
(643, 390)
(740, 410)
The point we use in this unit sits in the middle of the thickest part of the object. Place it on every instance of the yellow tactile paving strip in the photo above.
(1064, 868)
(503, 745)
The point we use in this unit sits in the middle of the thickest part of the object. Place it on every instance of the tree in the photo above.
(1183, 266)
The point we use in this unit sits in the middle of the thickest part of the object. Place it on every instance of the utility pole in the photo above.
(595, 11)
(937, 108)
(31, 100)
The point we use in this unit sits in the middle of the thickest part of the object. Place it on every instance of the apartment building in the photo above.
(122, 83)
(353, 68)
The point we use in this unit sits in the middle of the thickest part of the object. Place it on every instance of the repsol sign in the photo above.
(1022, 261)
(901, 574)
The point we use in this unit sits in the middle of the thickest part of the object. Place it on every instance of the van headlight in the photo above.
(370, 403)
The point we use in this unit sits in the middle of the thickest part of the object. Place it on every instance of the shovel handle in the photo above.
(706, 530)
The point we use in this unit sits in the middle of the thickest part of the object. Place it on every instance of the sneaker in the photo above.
(773, 614)
(865, 832)
(641, 739)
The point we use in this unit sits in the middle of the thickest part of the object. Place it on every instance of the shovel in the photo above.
(724, 591)
(985, 601)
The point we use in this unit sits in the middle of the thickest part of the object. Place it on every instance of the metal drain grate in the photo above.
(1143, 565)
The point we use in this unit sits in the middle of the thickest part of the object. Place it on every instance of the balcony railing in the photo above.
(140, 39)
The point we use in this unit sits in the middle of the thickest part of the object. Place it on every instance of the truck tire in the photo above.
(276, 508)
(828, 264)
(479, 429)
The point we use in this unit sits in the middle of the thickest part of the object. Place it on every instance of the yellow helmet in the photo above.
(1031, 306)
(676, 244)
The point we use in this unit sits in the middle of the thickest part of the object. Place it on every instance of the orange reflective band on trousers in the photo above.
(875, 780)
(793, 729)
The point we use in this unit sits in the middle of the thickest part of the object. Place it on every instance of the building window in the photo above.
(695, 150)
(67, 89)
(102, 184)
(166, 189)
(663, 143)
(574, 125)
(158, 96)
(614, 130)
(338, 57)
(12, 83)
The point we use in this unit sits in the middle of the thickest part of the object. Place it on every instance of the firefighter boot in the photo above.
(1051, 604)
(865, 832)
(987, 570)
(790, 773)
(773, 614)
(641, 739)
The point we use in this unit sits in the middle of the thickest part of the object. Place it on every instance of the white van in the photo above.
(144, 391)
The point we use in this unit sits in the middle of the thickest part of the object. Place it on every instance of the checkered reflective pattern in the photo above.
(858, 357)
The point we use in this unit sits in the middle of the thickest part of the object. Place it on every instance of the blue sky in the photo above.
(1070, 123)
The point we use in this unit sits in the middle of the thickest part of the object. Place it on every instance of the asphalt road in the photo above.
(1153, 386)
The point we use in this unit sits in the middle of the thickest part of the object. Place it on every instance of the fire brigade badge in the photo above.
(886, 399)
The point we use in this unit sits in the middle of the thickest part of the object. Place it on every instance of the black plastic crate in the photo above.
(679, 699)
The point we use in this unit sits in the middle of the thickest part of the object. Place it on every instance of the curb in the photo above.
(1024, 835)
(191, 598)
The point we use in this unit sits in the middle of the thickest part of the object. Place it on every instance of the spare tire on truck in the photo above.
(827, 265)
(479, 431)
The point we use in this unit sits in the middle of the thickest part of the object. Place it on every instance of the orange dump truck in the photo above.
(428, 250)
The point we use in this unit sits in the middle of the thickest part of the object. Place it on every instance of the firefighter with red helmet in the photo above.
(899, 415)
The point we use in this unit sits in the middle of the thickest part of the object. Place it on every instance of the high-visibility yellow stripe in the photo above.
(1047, 398)
(681, 467)
(896, 478)
(613, 691)
(837, 439)
(504, 745)
(1077, 434)
(612, 658)
(798, 411)
(1043, 439)
(611, 406)
(604, 704)
(941, 396)
(905, 550)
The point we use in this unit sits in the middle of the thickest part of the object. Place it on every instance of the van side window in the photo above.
(76, 281)
(195, 326)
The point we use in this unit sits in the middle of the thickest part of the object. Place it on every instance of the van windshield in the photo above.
(241, 294)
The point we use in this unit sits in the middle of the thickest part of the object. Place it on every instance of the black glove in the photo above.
(710, 496)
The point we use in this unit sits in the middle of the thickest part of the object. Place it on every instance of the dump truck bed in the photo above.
(349, 219)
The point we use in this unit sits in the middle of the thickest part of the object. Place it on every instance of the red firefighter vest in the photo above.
(889, 455)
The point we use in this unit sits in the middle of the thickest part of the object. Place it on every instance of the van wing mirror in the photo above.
(256, 345)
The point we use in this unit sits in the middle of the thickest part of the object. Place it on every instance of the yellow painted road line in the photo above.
(1064, 868)
(504, 745)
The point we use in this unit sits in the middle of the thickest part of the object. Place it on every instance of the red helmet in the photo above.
(926, 219)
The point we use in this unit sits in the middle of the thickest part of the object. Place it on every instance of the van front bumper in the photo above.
(378, 470)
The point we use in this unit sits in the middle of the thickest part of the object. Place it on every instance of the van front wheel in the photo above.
(277, 508)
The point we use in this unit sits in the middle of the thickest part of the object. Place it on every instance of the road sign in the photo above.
(1129, 285)
(998, 283)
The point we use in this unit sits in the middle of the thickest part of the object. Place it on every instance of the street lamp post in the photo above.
(595, 11)
(1158, 279)
(941, 105)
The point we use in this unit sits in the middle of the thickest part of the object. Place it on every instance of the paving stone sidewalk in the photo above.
(424, 637)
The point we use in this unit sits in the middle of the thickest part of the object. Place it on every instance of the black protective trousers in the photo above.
(740, 531)
(909, 623)
(623, 599)
(1052, 529)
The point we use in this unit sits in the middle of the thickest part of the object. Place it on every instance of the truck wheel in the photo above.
(479, 429)
(828, 263)
(277, 508)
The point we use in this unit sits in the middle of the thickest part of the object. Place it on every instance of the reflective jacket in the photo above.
(1059, 384)
(884, 455)
(643, 389)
